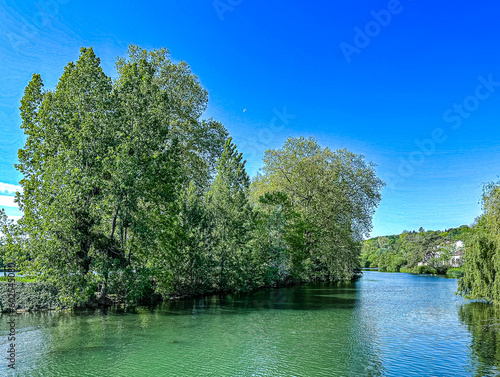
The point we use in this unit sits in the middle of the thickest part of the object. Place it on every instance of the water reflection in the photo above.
(383, 325)
(298, 297)
(483, 323)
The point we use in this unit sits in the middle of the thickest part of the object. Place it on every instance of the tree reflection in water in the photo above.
(483, 323)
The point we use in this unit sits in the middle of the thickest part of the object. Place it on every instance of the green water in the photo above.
(382, 325)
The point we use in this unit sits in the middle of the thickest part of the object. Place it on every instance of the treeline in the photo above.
(127, 193)
(401, 253)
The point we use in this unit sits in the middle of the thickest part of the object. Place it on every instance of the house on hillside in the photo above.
(457, 251)
(456, 259)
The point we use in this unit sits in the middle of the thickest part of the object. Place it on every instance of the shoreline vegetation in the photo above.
(129, 195)
(452, 273)
(418, 252)
(35, 296)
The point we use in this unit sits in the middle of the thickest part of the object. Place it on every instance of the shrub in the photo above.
(18, 279)
(426, 270)
(30, 296)
(455, 272)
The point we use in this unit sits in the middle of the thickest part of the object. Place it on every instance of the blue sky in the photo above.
(412, 85)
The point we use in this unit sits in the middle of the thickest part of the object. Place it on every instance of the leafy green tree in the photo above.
(278, 240)
(335, 194)
(481, 259)
(5, 229)
(104, 162)
(232, 216)
(183, 264)
(62, 184)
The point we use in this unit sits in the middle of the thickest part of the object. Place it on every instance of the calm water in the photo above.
(383, 325)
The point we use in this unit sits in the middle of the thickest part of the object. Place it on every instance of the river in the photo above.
(385, 324)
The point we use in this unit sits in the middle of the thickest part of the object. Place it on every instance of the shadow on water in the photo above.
(299, 297)
(483, 323)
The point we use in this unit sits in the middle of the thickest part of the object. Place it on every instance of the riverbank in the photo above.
(28, 296)
(452, 273)
(33, 296)
(381, 325)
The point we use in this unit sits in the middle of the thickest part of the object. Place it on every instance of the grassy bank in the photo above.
(454, 272)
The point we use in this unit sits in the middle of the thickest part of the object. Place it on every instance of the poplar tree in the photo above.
(231, 213)
(104, 162)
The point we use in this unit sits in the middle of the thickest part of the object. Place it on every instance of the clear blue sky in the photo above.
(372, 76)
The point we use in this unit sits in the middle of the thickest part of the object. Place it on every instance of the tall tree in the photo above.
(228, 206)
(336, 193)
(278, 241)
(103, 161)
(62, 166)
(482, 251)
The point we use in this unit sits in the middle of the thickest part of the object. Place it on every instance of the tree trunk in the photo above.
(101, 298)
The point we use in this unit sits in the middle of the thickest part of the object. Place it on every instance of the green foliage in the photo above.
(426, 270)
(18, 279)
(30, 296)
(403, 252)
(102, 161)
(455, 272)
(482, 253)
(278, 240)
(231, 213)
(128, 195)
(334, 194)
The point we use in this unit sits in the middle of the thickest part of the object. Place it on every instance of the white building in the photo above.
(457, 251)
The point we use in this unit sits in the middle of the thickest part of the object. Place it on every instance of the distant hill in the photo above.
(403, 252)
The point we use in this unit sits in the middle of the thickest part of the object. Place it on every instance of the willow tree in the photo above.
(335, 193)
(482, 251)
(102, 162)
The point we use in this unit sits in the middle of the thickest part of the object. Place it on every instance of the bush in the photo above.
(455, 272)
(408, 270)
(426, 270)
(30, 296)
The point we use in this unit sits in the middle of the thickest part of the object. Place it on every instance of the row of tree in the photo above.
(402, 252)
(128, 192)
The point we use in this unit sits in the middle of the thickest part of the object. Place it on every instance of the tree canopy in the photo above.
(335, 194)
(482, 252)
(127, 193)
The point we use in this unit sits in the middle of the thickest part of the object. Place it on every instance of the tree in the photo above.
(482, 256)
(335, 194)
(62, 184)
(278, 241)
(103, 162)
(228, 206)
